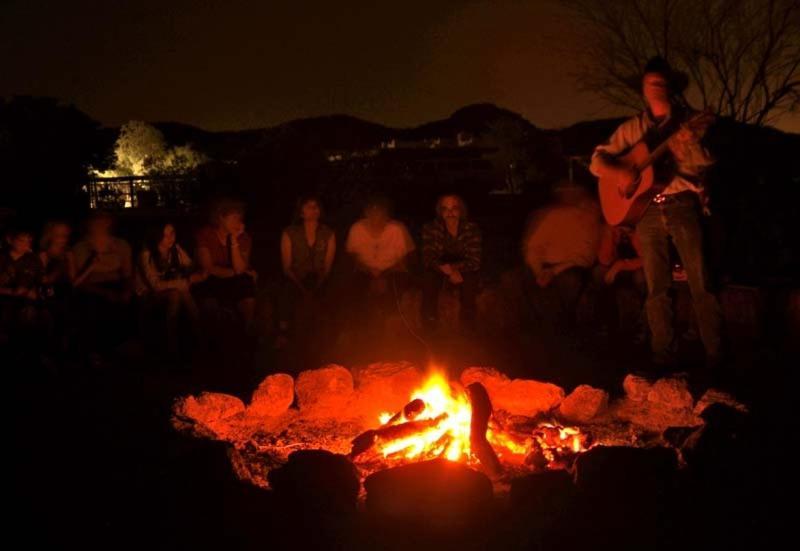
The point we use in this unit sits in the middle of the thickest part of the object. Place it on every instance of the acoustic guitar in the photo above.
(624, 202)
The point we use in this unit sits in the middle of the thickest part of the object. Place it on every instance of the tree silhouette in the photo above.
(743, 56)
(46, 149)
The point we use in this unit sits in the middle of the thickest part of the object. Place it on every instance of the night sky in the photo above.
(234, 64)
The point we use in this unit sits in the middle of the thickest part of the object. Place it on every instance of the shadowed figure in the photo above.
(451, 255)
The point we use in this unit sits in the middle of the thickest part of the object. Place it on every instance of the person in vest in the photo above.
(308, 248)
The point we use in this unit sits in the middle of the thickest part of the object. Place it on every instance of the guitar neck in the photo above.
(664, 145)
(655, 154)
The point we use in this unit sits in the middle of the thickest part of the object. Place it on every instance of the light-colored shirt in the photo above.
(560, 237)
(379, 252)
(691, 158)
(113, 264)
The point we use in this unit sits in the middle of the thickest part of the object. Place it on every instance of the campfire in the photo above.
(389, 415)
(444, 420)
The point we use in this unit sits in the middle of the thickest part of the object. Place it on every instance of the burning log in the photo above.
(479, 445)
(411, 411)
(390, 433)
(366, 440)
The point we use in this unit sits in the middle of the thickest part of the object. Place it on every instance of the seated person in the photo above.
(20, 278)
(58, 263)
(619, 269)
(103, 287)
(308, 248)
(164, 274)
(379, 246)
(58, 260)
(451, 252)
(104, 263)
(223, 252)
(559, 247)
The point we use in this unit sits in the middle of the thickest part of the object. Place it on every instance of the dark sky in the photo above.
(235, 64)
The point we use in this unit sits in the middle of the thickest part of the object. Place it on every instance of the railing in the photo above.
(126, 192)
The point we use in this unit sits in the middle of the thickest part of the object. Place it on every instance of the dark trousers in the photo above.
(555, 307)
(103, 324)
(432, 282)
(628, 286)
(677, 218)
(301, 308)
(226, 289)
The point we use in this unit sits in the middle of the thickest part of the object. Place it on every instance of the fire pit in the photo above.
(388, 415)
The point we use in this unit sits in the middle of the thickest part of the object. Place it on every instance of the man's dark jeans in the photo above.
(678, 218)
(432, 284)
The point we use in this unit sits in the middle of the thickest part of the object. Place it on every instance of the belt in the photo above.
(663, 198)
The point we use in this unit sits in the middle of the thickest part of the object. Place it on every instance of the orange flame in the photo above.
(449, 436)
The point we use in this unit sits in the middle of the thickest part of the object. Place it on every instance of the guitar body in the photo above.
(628, 208)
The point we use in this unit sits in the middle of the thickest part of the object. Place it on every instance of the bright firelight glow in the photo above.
(446, 432)
(449, 437)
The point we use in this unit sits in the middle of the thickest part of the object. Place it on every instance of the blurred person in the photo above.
(104, 262)
(59, 273)
(103, 286)
(20, 279)
(379, 246)
(58, 260)
(559, 248)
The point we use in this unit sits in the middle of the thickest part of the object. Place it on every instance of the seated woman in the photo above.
(20, 278)
(223, 252)
(103, 284)
(164, 275)
(308, 248)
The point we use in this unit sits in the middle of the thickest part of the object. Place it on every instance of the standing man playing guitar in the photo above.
(653, 165)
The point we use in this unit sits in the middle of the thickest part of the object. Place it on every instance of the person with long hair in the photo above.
(451, 254)
(165, 274)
